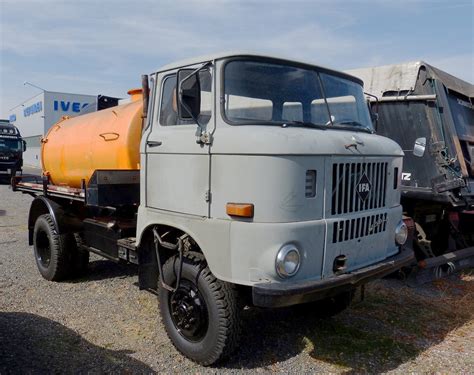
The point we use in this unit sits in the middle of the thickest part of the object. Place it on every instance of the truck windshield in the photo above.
(259, 92)
(463, 116)
(10, 144)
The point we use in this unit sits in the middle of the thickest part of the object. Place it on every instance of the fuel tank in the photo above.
(75, 147)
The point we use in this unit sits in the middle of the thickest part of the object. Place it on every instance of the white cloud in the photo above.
(461, 66)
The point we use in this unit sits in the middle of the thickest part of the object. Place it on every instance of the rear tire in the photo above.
(50, 249)
(58, 256)
(202, 318)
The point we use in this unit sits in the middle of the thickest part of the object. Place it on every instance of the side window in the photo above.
(169, 107)
(169, 111)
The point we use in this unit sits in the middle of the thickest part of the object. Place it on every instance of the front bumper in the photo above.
(8, 166)
(287, 294)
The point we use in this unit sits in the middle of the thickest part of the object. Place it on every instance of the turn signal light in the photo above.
(239, 209)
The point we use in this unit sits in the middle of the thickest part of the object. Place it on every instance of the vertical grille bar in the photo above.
(376, 186)
(344, 190)
(353, 186)
(334, 189)
(384, 184)
(339, 188)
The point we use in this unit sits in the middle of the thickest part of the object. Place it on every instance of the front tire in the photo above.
(202, 317)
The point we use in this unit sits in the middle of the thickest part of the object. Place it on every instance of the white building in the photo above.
(35, 116)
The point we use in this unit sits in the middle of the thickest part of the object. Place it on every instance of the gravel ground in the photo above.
(103, 323)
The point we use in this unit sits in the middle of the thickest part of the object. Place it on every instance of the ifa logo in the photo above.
(363, 187)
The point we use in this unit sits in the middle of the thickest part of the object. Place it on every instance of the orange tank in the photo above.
(109, 139)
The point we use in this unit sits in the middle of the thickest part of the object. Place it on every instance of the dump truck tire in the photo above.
(202, 317)
(52, 251)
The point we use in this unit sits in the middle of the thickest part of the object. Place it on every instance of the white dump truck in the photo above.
(430, 113)
(251, 181)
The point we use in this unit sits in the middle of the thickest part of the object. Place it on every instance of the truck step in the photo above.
(127, 249)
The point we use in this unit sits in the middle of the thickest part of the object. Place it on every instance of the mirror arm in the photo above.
(201, 138)
(376, 112)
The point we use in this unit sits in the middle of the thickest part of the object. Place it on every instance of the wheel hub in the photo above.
(43, 249)
(189, 311)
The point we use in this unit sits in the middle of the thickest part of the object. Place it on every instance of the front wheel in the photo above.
(202, 317)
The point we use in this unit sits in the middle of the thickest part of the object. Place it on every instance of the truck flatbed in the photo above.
(39, 185)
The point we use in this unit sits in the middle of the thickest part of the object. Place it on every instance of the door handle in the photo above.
(154, 143)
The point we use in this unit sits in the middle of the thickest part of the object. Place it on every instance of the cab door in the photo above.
(177, 167)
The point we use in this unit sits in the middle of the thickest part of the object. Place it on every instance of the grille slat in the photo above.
(352, 187)
(345, 181)
(346, 230)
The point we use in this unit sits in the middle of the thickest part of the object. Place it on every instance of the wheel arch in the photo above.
(63, 222)
(148, 265)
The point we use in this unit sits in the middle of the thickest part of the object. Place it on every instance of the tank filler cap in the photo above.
(135, 94)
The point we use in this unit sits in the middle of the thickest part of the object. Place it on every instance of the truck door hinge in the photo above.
(205, 138)
(208, 196)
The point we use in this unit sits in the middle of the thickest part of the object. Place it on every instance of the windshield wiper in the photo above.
(303, 123)
(352, 123)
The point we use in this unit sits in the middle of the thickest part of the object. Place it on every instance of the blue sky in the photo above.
(104, 46)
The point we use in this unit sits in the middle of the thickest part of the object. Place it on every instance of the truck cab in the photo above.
(293, 142)
(12, 147)
(260, 183)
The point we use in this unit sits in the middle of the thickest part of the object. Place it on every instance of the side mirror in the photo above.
(373, 106)
(24, 145)
(420, 147)
(188, 94)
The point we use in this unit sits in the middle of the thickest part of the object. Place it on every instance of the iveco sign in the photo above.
(67, 106)
(32, 109)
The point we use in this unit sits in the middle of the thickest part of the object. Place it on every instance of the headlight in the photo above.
(401, 233)
(287, 261)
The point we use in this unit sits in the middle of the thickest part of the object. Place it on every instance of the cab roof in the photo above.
(234, 54)
(7, 128)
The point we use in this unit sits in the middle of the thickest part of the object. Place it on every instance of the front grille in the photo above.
(346, 230)
(345, 180)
